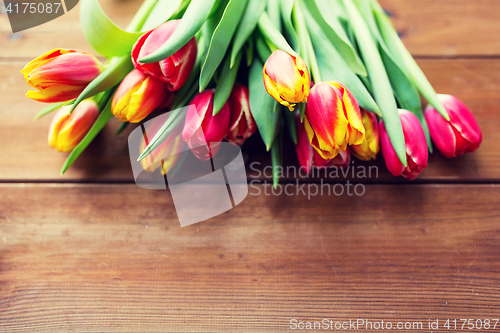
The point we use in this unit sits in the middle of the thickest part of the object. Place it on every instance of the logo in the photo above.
(26, 14)
(200, 189)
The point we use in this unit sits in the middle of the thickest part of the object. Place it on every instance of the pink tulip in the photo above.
(459, 135)
(203, 131)
(175, 69)
(416, 147)
(241, 124)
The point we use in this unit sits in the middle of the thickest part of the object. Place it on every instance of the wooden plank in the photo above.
(25, 154)
(438, 28)
(113, 258)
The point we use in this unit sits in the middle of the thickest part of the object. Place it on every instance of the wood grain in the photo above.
(114, 258)
(24, 141)
(436, 28)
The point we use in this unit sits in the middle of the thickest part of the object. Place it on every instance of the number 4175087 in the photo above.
(33, 7)
(470, 324)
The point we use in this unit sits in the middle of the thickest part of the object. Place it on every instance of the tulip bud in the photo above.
(174, 70)
(66, 131)
(60, 75)
(416, 147)
(241, 123)
(203, 131)
(333, 119)
(137, 96)
(459, 135)
(370, 146)
(286, 78)
(167, 153)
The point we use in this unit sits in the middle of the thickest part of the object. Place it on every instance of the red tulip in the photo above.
(241, 123)
(459, 135)
(203, 131)
(175, 69)
(60, 75)
(416, 147)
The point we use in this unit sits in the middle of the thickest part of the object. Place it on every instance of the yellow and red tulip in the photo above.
(166, 155)
(137, 96)
(241, 122)
(416, 147)
(203, 131)
(333, 119)
(174, 70)
(286, 78)
(459, 135)
(60, 75)
(370, 146)
(66, 131)
(308, 157)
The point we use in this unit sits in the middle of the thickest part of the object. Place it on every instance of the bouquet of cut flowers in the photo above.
(333, 74)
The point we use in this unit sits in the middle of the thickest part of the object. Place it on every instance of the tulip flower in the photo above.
(370, 146)
(67, 130)
(203, 131)
(416, 147)
(167, 153)
(174, 70)
(137, 96)
(60, 75)
(286, 78)
(333, 119)
(459, 135)
(308, 157)
(241, 122)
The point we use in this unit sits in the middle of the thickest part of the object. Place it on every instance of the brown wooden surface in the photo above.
(103, 257)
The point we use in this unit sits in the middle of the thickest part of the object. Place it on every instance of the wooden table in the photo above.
(92, 252)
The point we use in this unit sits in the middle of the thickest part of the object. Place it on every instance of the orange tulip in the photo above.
(370, 146)
(60, 75)
(286, 78)
(66, 131)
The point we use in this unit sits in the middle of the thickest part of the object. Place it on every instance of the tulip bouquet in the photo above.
(333, 74)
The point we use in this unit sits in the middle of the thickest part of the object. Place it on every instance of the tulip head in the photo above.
(333, 119)
(166, 155)
(241, 122)
(67, 130)
(137, 96)
(286, 78)
(370, 146)
(416, 147)
(174, 70)
(203, 131)
(60, 75)
(459, 135)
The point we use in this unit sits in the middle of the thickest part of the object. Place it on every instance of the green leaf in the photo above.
(302, 111)
(249, 52)
(168, 127)
(273, 11)
(286, 14)
(220, 40)
(195, 16)
(291, 125)
(161, 13)
(263, 106)
(103, 119)
(381, 85)
(225, 86)
(102, 34)
(396, 46)
(49, 109)
(247, 26)
(273, 35)
(118, 68)
(277, 157)
(262, 49)
(322, 10)
(333, 67)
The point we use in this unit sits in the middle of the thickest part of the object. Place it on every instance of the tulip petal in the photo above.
(55, 93)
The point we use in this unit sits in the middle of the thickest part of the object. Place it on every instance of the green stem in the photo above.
(141, 16)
